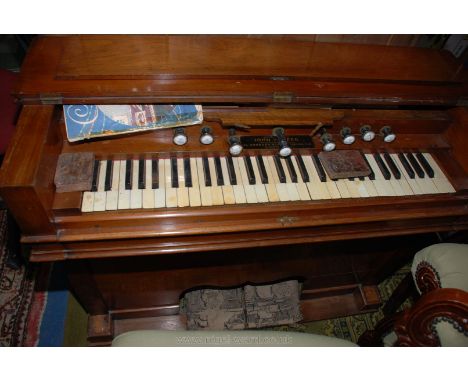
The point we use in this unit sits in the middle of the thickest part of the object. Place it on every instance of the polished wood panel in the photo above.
(78, 69)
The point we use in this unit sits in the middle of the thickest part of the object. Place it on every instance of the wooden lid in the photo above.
(202, 69)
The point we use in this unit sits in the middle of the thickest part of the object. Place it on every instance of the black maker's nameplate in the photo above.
(270, 142)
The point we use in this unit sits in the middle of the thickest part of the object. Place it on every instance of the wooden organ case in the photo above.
(129, 267)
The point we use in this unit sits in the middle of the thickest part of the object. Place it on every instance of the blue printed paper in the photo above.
(91, 121)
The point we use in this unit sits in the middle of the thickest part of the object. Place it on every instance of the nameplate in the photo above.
(268, 142)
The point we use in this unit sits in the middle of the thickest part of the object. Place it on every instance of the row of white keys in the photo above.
(440, 180)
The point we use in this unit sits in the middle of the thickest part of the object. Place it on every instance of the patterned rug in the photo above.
(351, 327)
(23, 297)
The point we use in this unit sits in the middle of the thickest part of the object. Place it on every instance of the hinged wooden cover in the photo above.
(233, 69)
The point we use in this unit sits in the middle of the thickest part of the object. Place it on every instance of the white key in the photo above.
(239, 192)
(370, 188)
(342, 188)
(228, 192)
(87, 204)
(171, 193)
(394, 183)
(148, 193)
(182, 191)
(301, 186)
(317, 189)
(194, 191)
(407, 190)
(290, 186)
(216, 191)
(205, 192)
(280, 187)
(331, 186)
(249, 190)
(440, 180)
(429, 186)
(411, 182)
(381, 185)
(271, 185)
(100, 194)
(112, 196)
(260, 190)
(352, 188)
(124, 195)
(135, 193)
(160, 192)
(361, 188)
(425, 184)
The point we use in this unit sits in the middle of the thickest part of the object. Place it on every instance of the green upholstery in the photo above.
(225, 338)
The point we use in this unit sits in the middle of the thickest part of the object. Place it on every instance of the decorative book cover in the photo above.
(91, 121)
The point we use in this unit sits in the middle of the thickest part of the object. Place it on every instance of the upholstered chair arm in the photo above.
(439, 318)
(441, 266)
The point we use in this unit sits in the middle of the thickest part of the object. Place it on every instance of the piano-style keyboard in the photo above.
(224, 180)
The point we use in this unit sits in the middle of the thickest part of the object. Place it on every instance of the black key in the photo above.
(391, 164)
(188, 173)
(141, 174)
(231, 171)
(94, 183)
(406, 165)
(414, 163)
(291, 169)
(262, 169)
(154, 174)
(382, 167)
(128, 174)
(319, 168)
(427, 167)
(371, 175)
(206, 172)
(249, 168)
(108, 183)
(279, 169)
(351, 179)
(219, 171)
(174, 173)
(361, 178)
(302, 168)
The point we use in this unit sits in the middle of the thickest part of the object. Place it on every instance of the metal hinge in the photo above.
(283, 97)
(51, 99)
